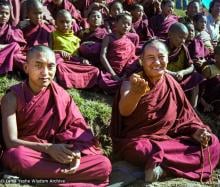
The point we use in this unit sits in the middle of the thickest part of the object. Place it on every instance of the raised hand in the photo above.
(138, 85)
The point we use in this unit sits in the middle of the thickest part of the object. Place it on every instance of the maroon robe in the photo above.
(142, 29)
(160, 25)
(51, 116)
(197, 51)
(15, 11)
(189, 81)
(53, 8)
(37, 34)
(72, 74)
(92, 51)
(122, 58)
(11, 56)
(159, 132)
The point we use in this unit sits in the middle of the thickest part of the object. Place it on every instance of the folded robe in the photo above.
(159, 132)
(52, 116)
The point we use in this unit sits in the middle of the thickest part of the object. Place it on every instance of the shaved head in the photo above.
(38, 49)
(33, 4)
(63, 12)
(178, 28)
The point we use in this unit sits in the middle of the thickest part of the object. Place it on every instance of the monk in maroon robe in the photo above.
(158, 129)
(45, 135)
(140, 23)
(55, 6)
(117, 55)
(91, 38)
(36, 32)
(11, 42)
(198, 52)
(161, 23)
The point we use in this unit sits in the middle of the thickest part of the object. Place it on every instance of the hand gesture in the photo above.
(74, 164)
(202, 136)
(85, 62)
(138, 85)
(65, 55)
(179, 76)
(61, 153)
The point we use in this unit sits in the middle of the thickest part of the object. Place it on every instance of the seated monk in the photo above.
(45, 135)
(117, 55)
(36, 32)
(73, 71)
(158, 129)
(11, 41)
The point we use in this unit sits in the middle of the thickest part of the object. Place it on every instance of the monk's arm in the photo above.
(59, 152)
(103, 57)
(129, 99)
(187, 71)
(9, 125)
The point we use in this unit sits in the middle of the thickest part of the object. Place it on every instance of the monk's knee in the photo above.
(17, 159)
(138, 152)
(105, 166)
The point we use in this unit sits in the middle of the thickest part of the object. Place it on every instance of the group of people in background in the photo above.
(100, 44)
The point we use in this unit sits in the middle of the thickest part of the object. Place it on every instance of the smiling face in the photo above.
(167, 8)
(154, 60)
(137, 13)
(40, 68)
(200, 25)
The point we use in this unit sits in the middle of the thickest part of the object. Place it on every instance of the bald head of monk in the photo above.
(40, 67)
(177, 35)
(64, 21)
(35, 11)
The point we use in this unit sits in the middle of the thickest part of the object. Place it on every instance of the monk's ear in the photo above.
(25, 66)
(141, 60)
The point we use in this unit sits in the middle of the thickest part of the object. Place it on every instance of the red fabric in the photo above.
(159, 132)
(37, 35)
(53, 8)
(72, 74)
(122, 58)
(10, 34)
(142, 29)
(52, 116)
(11, 56)
(197, 49)
(7, 57)
(92, 51)
(160, 25)
(93, 170)
(117, 49)
(15, 11)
